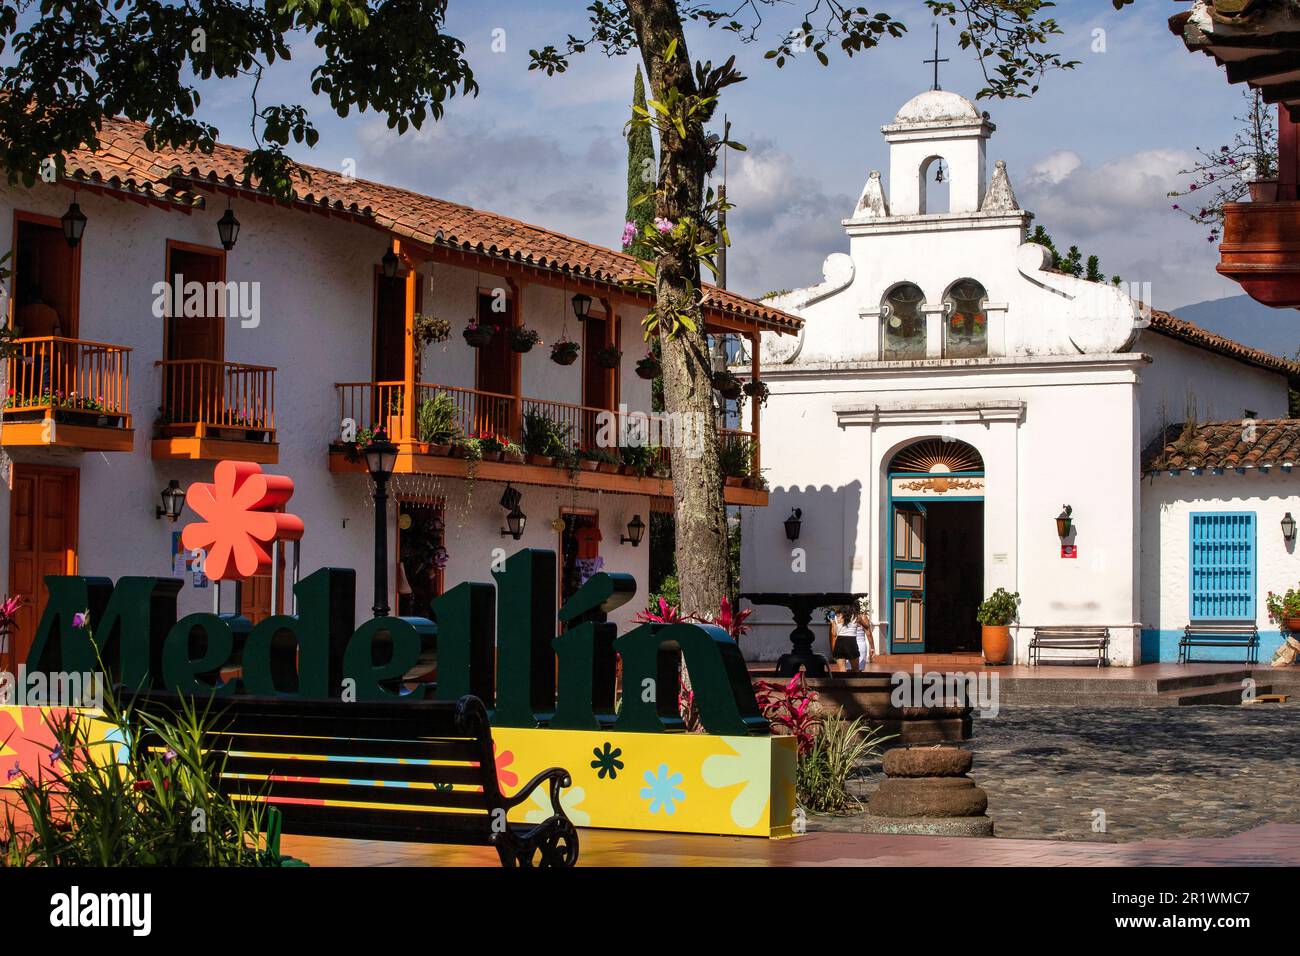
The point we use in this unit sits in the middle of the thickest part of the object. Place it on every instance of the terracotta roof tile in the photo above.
(1239, 444)
(1192, 334)
(124, 162)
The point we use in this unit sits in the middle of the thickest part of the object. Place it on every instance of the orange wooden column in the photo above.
(408, 358)
(754, 417)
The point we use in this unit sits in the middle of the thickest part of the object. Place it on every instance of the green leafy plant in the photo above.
(436, 420)
(564, 352)
(736, 457)
(608, 356)
(544, 436)
(146, 798)
(1282, 607)
(430, 329)
(522, 338)
(999, 609)
(838, 749)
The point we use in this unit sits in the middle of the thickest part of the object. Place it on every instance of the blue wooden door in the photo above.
(907, 579)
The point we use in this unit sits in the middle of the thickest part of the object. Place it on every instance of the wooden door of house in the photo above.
(388, 403)
(193, 386)
(496, 369)
(43, 512)
(907, 588)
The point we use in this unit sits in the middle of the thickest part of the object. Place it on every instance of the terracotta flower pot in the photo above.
(514, 457)
(607, 467)
(1291, 624)
(1263, 190)
(544, 460)
(996, 643)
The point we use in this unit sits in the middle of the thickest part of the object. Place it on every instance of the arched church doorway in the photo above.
(935, 547)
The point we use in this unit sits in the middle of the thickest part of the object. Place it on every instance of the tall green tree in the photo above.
(641, 171)
(86, 60)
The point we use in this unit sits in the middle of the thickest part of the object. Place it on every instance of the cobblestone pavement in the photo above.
(1157, 773)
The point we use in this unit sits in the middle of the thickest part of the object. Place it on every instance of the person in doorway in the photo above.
(35, 319)
(846, 633)
(865, 635)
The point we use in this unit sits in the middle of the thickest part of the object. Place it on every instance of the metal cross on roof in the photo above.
(936, 61)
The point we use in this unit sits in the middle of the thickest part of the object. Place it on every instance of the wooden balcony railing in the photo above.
(52, 376)
(372, 405)
(203, 396)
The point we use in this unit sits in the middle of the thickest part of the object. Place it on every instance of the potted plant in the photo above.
(634, 459)
(9, 609)
(649, 367)
(477, 336)
(430, 329)
(726, 384)
(995, 616)
(522, 338)
(543, 438)
(436, 423)
(1284, 610)
(1263, 190)
(511, 452)
(608, 356)
(396, 415)
(564, 352)
(757, 389)
(735, 460)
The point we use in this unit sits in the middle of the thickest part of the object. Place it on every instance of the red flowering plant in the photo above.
(791, 709)
(1283, 607)
(663, 613)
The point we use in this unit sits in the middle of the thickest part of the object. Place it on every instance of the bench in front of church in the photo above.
(1068, 638)
(1239, 634)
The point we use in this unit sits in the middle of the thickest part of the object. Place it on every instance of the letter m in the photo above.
(124, 622)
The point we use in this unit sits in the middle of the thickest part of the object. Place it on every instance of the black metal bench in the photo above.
(288, 752)
(1064, 637)
(1240, 634)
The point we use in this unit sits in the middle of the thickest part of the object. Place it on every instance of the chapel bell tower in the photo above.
(937, 125)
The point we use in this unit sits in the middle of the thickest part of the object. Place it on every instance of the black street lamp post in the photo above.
(380, 458)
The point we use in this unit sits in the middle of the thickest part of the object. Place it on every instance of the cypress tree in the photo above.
(642, 171)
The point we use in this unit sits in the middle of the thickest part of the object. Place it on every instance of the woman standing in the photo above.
(846, 637)
(866, 638)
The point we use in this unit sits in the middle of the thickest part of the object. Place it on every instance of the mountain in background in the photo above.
(1244, 320)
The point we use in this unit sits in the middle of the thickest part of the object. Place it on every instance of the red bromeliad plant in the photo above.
(729, 620)
(790, 709)
(665, 614)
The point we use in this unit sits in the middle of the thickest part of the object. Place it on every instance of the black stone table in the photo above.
(801, 638)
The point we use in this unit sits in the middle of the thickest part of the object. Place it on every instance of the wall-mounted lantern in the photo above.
(635, 531)
(389, 263)
(74, 224)
(582, 306)
(173, 501)
(1288, 528)
(515, 522)
(1063, 522)
(793, 523)
(228, 228)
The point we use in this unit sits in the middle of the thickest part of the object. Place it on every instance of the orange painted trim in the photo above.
(193, 448)
(83, 437)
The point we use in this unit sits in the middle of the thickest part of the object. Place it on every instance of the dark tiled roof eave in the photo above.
(1175, 328)
(1263, 443)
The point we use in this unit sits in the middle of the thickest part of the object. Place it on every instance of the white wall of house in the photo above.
(316, 277)
(1168, 501)
(1215, 387)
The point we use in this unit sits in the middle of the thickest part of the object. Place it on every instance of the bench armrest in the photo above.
(559, 779)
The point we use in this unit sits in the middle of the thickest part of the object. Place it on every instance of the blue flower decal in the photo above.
(607, 761)
(663, 790)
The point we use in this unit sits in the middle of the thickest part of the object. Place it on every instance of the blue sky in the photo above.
(1093, 154)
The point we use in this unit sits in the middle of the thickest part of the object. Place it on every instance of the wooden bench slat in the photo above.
(359, 793)
(1239, 634)
(460, 750)
(1069, 637)
(468, 774)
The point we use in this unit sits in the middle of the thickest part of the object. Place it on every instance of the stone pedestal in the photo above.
(926, 790)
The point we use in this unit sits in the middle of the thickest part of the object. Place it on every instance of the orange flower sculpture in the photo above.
(240, 521)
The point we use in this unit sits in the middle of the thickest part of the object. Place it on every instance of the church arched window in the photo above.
(965, 320)
(902, 323)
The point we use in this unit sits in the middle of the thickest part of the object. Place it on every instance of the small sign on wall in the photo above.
(1069, 550)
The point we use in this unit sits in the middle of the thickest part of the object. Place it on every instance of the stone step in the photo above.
(1217, 694)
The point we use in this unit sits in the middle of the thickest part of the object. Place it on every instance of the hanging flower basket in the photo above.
(727, 385)
(477, 336)
(522, 338)
(649, 368)
(430, 329)
(609, 356)
(757, 389)
(564, 352)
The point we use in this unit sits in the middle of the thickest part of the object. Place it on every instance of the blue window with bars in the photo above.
(1223, 567)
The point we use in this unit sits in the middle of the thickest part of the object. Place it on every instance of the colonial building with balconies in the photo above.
(287, 333)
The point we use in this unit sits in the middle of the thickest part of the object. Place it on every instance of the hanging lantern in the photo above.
(228, 228)
(74, 224)
(581, 306)
(389, 263)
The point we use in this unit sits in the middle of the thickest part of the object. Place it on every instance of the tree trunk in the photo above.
(701, 518)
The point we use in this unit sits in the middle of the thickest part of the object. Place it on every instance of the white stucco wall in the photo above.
(317, 288)
(1167, 504)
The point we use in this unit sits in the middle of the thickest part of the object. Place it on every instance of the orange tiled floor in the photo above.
(1275, 844)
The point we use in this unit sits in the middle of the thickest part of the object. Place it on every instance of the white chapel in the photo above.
(951, 395)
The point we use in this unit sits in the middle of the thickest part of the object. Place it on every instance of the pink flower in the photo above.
(629, 233)
(80, 619)
(663, 225)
